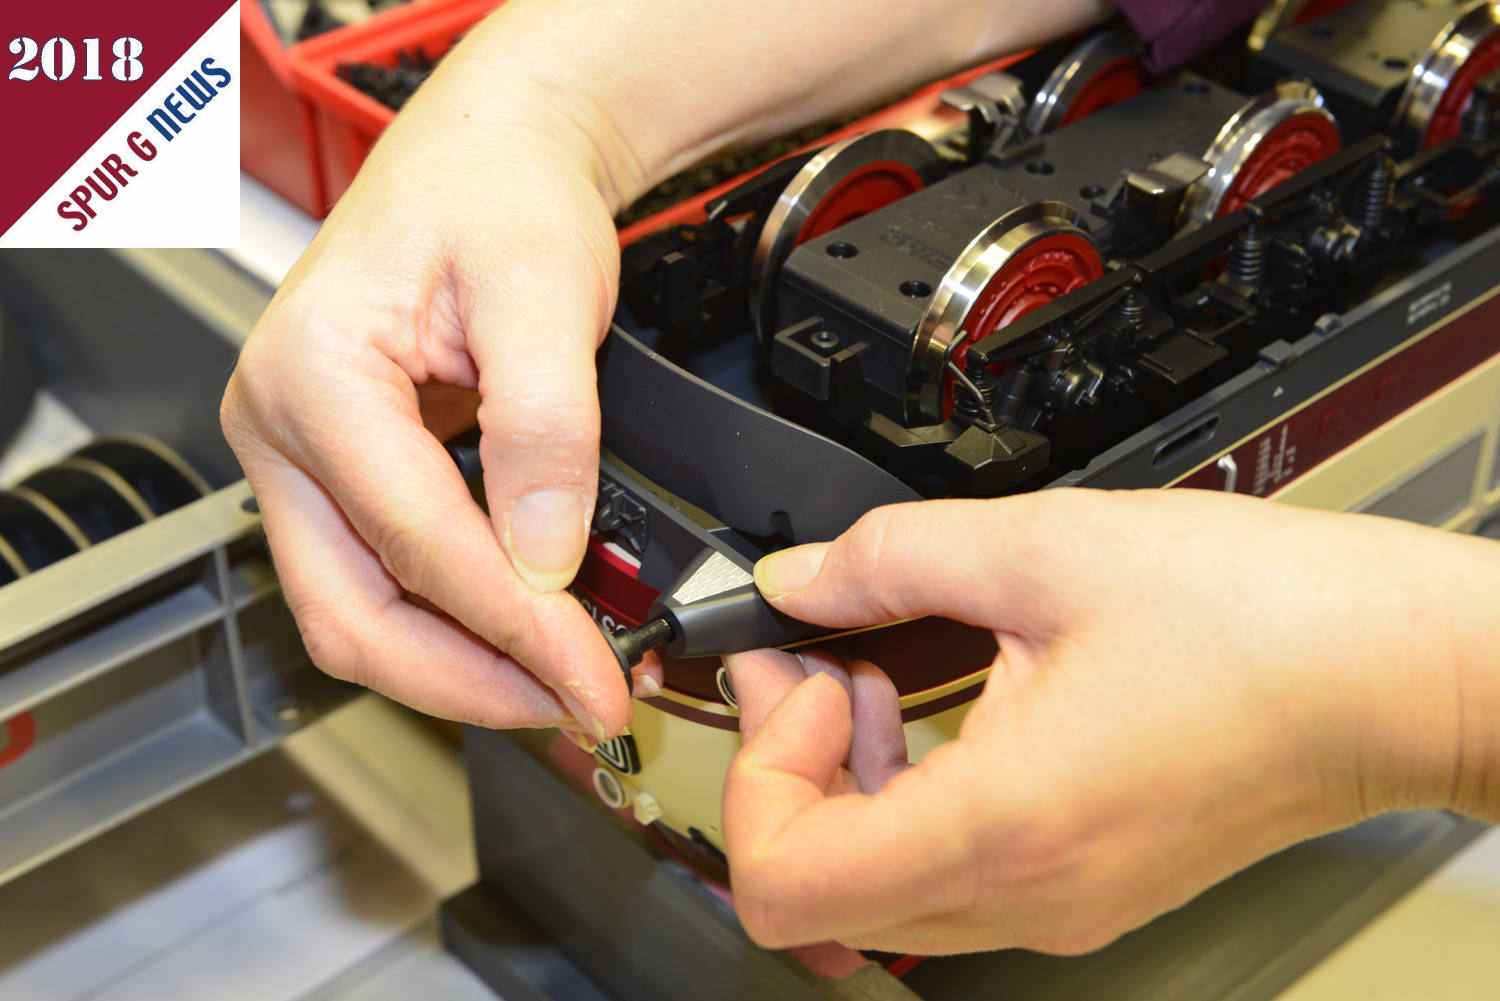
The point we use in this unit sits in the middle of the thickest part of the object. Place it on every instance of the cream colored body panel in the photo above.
(1400, 450)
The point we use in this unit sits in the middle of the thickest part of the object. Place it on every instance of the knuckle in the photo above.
(542, 419)
(405, 553)
(233, 420)
(329, 642)
(763, 915)
(254, 397)
(873, 555)
(867, 540)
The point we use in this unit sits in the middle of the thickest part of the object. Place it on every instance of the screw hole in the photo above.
(1322, 32)
(842, 249)
(1039, 167)
(609, 788)
(610, 791)
(1195, 87)
(1394, 63)
(249, 506)
(916, 289)
(825, 339)
(1091, 191)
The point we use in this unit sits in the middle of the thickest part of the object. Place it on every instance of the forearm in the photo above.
(639, 89)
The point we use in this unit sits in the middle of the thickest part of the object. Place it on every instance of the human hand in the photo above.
(474, 258)
(1186, 683)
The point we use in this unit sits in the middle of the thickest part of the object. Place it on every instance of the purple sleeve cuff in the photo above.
(1177, 31)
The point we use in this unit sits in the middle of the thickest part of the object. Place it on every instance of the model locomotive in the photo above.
(1275, 279)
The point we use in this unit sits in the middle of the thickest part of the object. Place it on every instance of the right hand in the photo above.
(1186, 682)
(470, 271)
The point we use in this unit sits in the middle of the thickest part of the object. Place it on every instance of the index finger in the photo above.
(366, 444)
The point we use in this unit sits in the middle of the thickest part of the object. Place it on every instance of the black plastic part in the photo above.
(731, 622)
(1292, 373)
(91, 502)
(862, 298)
(1359, 57)
(757, 473)
(573, 908)
(464, 451)
(630, 645)
(17, 380)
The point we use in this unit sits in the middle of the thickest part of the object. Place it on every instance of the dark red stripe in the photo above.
(1334, 421)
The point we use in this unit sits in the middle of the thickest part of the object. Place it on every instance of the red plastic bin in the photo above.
(278, 141)
(347, 120)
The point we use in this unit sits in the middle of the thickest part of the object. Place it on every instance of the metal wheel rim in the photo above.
(778, 237)
(1444, 58)
(1238, 140)
(1071, 75)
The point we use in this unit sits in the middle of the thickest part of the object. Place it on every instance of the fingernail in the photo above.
(547, 536)
(789, 570)
(644, 686)
(583, 743)
(586, 719)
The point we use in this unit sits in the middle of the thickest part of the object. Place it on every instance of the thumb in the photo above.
(972, 561)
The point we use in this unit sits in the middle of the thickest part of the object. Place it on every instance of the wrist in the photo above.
(1475, 628)
(491, 116)
(513, 92)
(1433, 696)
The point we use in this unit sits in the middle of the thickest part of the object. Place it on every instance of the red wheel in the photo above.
(1118, 81)
(860, 193)
(1437, 94)
(1447, 119)
(1020, 262)
(1274, 136)
(1311, 10)
(1051, 267)
(1286, 151)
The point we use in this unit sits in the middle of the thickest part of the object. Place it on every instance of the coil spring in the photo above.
(1479, 120)
(1133, 308)
(1375, 194)
(974, 398)
(1247, 257)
